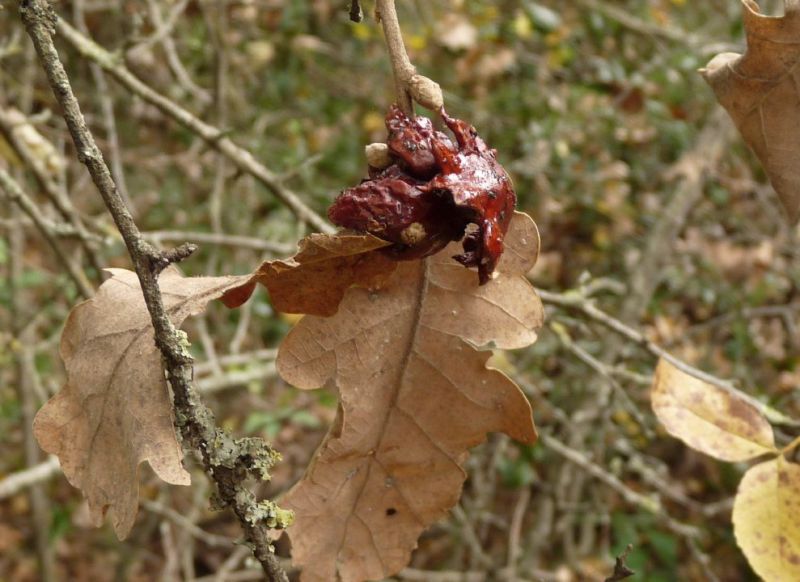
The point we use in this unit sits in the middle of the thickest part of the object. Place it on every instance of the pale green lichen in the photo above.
(268, 512)
(183, 342)
(254, 455)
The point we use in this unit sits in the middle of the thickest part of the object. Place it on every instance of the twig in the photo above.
(174, 62)
(585, 305)
(471, 537)
(621, 570)
(15, 193)
(10, 121)
(626, 19)
(219, 383)
(246, 242)
(211, 540)
(16, 482)
(402, 68)
(629, 495)
(604, 370)
(163, 30)
(229, 565)
(692, 168)
(265, 356)
(107, 109)
(28, 384)
(215, 137)
(195, 421)
(412, 574)
(515, 531)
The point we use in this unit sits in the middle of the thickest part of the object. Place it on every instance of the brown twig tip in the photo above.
(179, 253)
(621, 570)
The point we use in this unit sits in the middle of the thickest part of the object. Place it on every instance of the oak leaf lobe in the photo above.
(415, 394)
(114, 411)
(760, 89)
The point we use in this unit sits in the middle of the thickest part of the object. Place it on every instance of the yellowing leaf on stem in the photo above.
(766, 519)
(760, 91)
(415, 394)
(708, 418)
(114, 412)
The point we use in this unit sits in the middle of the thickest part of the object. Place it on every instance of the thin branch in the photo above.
(629, 495)
(17, 195)
(245, 242)
(216, 138)
(11, 122)
(195, 421)
(107, 110)
(209, 539)
(16, 482)
(579, 302)
(402, 68)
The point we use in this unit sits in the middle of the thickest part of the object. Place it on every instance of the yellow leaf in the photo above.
(766, 519)
(708, 418)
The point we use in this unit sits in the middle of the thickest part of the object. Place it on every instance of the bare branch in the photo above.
(577, 301)
(15, 193)
(194, 420)
(16, 482)
(401, 65)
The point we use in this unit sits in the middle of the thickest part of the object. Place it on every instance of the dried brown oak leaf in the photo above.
(316, 278)
(761, 91)
(114, 411)
(415, 395)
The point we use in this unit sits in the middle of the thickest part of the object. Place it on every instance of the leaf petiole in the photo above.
(790, 447)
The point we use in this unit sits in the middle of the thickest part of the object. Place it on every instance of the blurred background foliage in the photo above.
(597, 110)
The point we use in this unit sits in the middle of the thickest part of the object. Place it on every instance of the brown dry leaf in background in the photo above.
(708, 418)
(316, 278)
(456, 32)
(414, 396)
(761, 89)
(114, 411)
(766, 519)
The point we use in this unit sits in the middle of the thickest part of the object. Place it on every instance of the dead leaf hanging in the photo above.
(114, 411)
(316, 278)
(708, 418)
(415, 394)
(761, 91)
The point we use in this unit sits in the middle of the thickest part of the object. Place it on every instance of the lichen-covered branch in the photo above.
(230, 462)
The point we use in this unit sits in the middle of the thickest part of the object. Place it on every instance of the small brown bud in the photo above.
(426, 92)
